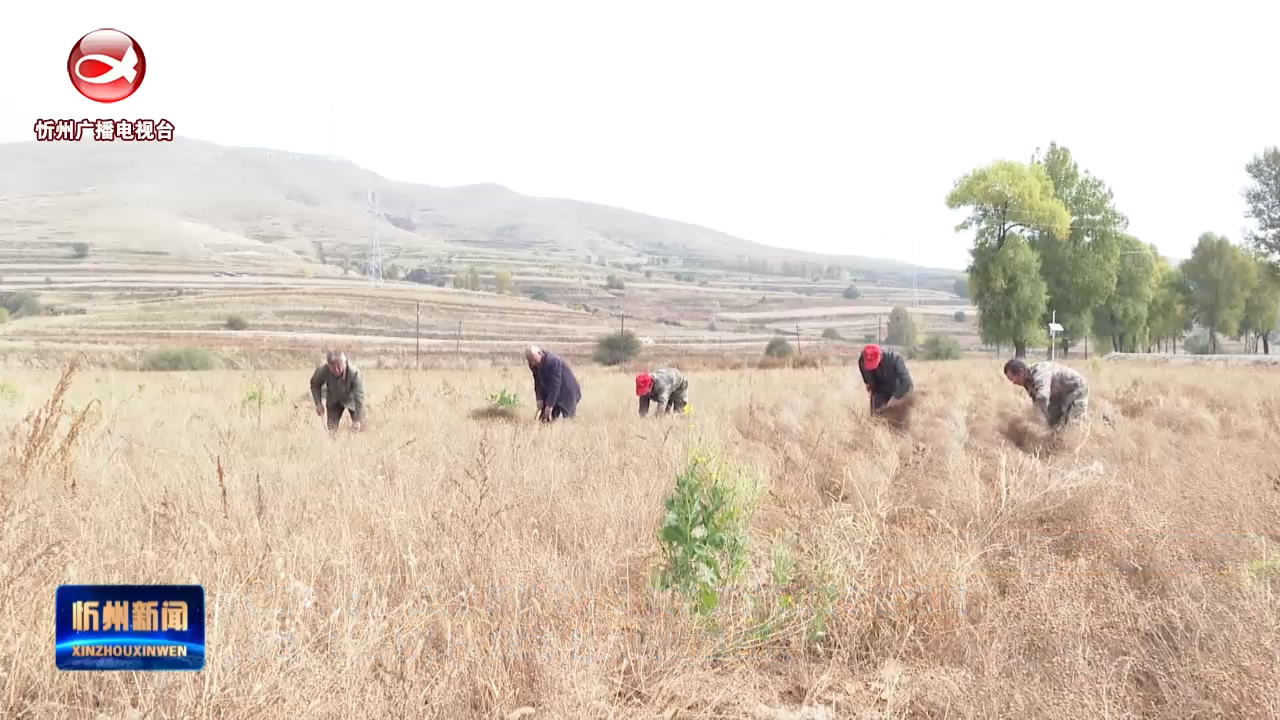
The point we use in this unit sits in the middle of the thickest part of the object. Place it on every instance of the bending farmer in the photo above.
(884, 372)
(1061, 393)
(667, 387)
(344, 386)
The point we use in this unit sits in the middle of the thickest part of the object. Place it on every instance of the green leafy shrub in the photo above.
(262, 394)
(779, 348)
(616, 349)
(704, 529)
(940, 347)
(177, 359)
(504, 399)
(23, 304)
(503, 405)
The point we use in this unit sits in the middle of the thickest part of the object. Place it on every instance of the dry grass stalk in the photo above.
(222, 489)
(34, 444)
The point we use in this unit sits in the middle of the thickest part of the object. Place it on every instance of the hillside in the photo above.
(132, 247)
(197, 201)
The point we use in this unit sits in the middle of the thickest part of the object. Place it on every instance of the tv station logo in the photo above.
(105, 66)
(129, 627)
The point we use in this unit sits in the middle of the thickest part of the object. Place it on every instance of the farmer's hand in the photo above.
(319, 410)
(356, 425)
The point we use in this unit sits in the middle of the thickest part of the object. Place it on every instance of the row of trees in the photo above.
(1050, 240)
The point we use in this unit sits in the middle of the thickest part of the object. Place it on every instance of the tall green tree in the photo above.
(1005, 200)
(1122, 319)
(1261, 308)
(1006, 196)
(1220, 277)
(503, 282)
(1263, 200)
(1080, 270)
(1006, 286)
(902, 329)
(1167, 319)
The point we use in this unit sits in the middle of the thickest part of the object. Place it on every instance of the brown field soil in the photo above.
(957, 562)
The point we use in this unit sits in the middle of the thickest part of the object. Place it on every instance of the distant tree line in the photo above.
(1049, 239)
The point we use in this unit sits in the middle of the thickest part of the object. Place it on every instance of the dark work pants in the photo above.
(335, 415)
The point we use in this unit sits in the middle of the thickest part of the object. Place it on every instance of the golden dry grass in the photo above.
(441, 566)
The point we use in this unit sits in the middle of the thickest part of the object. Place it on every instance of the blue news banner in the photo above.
(129, 627)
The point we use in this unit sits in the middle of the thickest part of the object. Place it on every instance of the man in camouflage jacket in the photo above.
(1061, 393)
(344, 387)
(667, 387)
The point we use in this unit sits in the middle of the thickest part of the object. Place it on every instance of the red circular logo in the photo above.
(106, 65)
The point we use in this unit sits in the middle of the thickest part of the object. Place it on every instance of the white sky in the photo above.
(833, 127)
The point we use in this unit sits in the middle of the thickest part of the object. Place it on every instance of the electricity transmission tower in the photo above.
(375, 244)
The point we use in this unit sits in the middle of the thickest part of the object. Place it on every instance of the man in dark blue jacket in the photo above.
(885, 375)
(553, 383)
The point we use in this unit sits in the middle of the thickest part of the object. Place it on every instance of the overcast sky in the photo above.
(832, 126)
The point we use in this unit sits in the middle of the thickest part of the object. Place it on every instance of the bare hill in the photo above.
(196, 201)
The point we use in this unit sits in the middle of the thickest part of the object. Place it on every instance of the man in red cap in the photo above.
(667, 387)
(884, 372)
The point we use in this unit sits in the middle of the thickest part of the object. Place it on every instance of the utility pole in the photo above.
(623, 330)
(457, 346)
(797, 338)
(417, 335)
(877, 329)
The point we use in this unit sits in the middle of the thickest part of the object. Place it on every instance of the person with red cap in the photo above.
(884, 372)
(667, 387)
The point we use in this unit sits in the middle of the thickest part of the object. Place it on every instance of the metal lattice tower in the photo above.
(375, 244)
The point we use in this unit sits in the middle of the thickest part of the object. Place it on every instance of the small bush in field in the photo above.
(779, 348)
(939, 347)
(704, 529)
(177, 359)
(617, 348)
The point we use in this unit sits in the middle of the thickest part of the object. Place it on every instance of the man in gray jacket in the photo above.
(344, 386)
(667, 387)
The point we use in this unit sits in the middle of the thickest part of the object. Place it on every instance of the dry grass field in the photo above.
(954, 564)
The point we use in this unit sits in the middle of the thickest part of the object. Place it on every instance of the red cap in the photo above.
(644, 383)
(871, 357)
